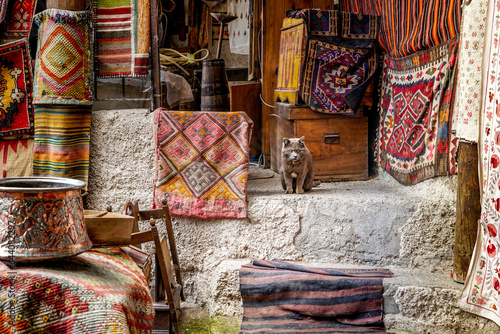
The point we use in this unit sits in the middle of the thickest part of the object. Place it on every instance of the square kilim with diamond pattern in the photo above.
(64, 66)
(202, 162)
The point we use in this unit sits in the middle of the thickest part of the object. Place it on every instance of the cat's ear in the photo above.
(286, 141)
(301, 140)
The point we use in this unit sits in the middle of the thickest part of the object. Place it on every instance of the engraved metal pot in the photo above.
(41, 218)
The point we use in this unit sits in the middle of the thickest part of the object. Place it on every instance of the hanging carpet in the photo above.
(99, 291)
(16, 157)
(122, 30)
(64, 68)
(18, 19)
(415, 142)
(280, 297)
(16, 108)
(202, 162)
(340, 59)
(410, 26)
(62, 141)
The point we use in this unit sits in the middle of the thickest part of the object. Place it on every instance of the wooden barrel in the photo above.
(75, 5)
(214, 86)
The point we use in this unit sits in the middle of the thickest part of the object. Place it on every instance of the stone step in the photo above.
(414, 301)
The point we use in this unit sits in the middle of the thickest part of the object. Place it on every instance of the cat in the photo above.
(296, 166)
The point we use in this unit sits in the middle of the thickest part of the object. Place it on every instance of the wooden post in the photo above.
(155, 55)
(76, 5)
(468, 209)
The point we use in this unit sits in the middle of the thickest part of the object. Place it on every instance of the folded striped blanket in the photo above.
(280, 297)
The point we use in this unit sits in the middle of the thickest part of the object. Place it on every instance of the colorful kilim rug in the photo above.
(100, 291)
(327, 24)
(18, 19)
(415, 142)
(335, 78)
(16, 108)
(16, 157)
(64, 66)
(410, 26)
(481, 294)
(340, 59)
(122, 38)
(468, 100)
(62, 141)
(202, 162)
(280, 297)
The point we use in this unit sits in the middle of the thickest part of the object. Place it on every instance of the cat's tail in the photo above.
(316, 183)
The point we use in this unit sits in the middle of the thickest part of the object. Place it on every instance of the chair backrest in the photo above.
(166, 285)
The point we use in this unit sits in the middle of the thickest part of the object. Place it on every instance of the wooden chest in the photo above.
(292, 53)
(338, 144)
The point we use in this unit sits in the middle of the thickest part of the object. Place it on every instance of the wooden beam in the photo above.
(468, 209)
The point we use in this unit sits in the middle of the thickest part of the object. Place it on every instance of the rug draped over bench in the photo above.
(280, 297)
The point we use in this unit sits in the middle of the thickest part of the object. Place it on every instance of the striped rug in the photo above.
(122, 29)
(62, 141)
(409, 26)
(280, 297)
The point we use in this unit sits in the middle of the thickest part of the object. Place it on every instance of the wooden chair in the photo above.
(168, 291)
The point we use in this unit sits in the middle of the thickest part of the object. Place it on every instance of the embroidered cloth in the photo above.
(64, 66)
(122, 38)
(18, 19)
(415, 143)
(481, 289)
(62, 141)
(239, 29)
(16, 108)
(100, 291)
(467, 99)
(281, 297)
(202, 162)
(410, 26)
(16, 157)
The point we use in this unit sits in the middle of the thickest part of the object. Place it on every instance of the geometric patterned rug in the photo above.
(335, 77)
(18, 19)
(64, 67)
(415, 141)
(16, 157)
(16, 108)
(99, 291)
(202, 162)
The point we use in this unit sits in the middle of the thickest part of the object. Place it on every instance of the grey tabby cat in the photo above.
(296, 166)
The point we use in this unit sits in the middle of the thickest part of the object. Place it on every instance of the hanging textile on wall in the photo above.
(415, 143)
(18, 19)
(62, 141)
(409, 26)
(16, 157)
(122, 42)
(202, 162)
(482, 286)
(16, 108)
(3, 9)
(468, 97)
(339, 61)
(239, 29)
(64, 68)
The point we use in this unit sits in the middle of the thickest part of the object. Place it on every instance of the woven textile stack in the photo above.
(63, 93)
